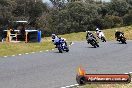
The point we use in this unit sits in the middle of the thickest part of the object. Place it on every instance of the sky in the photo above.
(106, 0)
(47, 1)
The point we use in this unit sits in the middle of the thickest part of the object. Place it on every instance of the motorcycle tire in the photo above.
(123, 40)
(67, 49)
(97, 45)
(94, 46)
(94, 43)
(60, 51)
(125, 43)
(103, 39)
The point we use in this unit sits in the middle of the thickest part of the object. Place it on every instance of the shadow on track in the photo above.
(59, 52)
(119, 43)
(91, 47)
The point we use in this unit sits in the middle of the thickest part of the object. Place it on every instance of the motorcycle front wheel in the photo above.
(59, 48)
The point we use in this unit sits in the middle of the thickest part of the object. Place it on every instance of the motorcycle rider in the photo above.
(90, 36)
(101, 34)
(118, 34)
(57, 40)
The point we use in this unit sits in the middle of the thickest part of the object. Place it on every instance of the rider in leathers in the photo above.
(90, 36)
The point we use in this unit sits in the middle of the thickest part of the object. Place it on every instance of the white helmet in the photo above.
(53, 36)
(97, 29)
(116, 30)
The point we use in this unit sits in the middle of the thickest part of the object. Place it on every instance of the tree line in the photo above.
(67, 16)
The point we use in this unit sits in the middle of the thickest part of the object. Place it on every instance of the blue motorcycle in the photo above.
(62, 46)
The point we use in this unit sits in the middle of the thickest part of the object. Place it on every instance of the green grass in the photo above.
(109, 33)
(80, 36)
(7, 49)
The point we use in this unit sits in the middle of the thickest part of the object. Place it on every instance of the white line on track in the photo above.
(75, 85)
(26, 53)
(32, 52)
(47, 50)
(13, 55)
(19, 54)
(72, 85)
(5, 56)
(130, 72)
(72, 43)
(40, 51)
(67, 86)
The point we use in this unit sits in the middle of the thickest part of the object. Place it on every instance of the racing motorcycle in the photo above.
(122, 39)
(93, 42)
(62, 46)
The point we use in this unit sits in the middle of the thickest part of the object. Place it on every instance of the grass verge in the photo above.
(8, 49)
(109, 34)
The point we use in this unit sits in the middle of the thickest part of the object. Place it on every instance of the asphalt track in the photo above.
(54, 70)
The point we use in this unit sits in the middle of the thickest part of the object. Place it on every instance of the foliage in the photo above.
(127, 19)
(119, 6)
(111, 21)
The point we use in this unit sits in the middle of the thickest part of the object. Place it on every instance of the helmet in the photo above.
(53, 36)
(116, 30)
(87, 32)
(97, 29)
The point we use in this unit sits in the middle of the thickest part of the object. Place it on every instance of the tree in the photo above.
(112, 21)
(127, 19)
(6, 7)
(119, 6)
(129, 1)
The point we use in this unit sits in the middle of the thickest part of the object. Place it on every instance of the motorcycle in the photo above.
(62, 46)
(93, 42)
(122, 39)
